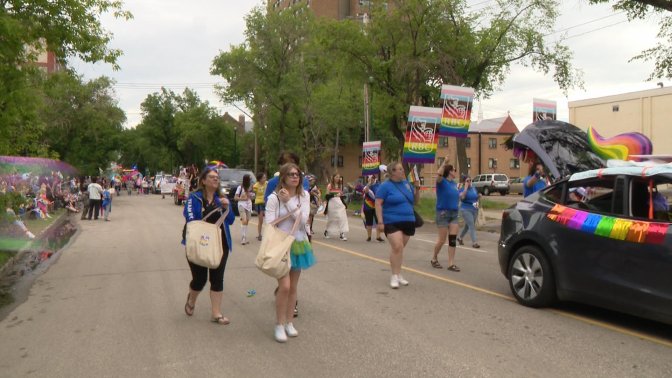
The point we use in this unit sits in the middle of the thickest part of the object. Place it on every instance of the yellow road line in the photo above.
(583, 319)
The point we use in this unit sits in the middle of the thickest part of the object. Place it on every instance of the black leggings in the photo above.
(369, 217)
(199, 275)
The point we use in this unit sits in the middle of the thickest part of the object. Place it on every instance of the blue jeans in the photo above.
(469, 217)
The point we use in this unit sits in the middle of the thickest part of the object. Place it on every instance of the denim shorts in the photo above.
(446, 217)
(260, 207)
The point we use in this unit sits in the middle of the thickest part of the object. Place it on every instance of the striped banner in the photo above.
(543, 109)
(371, 158)
(421, 135)
(456, 117)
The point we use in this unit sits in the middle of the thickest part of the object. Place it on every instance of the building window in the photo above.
(614, 108)
(443, 142)
(492, 163)
(340, 161)
(468, 162)
(492, 143)
(514, 163)
(439, 161)
(467, 142)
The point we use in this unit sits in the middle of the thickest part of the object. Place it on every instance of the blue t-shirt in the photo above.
(469, 199)
(540, 184)
(273, 183)
(447, 195)
(397, 201)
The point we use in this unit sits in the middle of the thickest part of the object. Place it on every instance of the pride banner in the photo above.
(543, 109)
(371, 158)
(421, 135)
(456, 116)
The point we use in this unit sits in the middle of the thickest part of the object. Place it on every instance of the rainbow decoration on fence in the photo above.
(610, 227)
(543, 109)
(456, 112)
(371, 158)
(421, 137)
(621, 146)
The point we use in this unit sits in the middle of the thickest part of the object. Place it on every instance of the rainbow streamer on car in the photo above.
(421, 140)
(543, 109)
(371, 158)
(621, 146)
(610, 227)
(456, 111)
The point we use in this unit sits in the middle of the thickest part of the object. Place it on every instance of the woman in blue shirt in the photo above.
(447, 213)
(469, 211)
(394, 208)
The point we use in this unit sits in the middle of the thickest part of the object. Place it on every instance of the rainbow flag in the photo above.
(421, 137)
(456, 116)
(371, 158)
(543, 109)
(413, 175)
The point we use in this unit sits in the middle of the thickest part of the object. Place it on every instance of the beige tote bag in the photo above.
(204, 241)
(273, 256)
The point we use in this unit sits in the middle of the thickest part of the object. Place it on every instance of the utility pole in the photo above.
(367, 118)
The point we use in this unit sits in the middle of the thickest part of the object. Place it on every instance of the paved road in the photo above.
(113, 306)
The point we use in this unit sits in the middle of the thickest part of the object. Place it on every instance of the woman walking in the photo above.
(337, 218)
(290, 198)
(315, 203)
(201, 203)
(469, 211)
(259, 189)
(394, 208)
(447, 202)
(369, 207)
(244, 196)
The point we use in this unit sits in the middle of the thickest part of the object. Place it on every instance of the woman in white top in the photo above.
(337, 217)
(244, 195)
(289, 197)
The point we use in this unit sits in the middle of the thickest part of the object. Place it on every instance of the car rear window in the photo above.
(234, 175)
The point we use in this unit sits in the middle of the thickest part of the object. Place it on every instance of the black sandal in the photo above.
(435, 264)
(454, 268)
(380, 239)
(189, 309)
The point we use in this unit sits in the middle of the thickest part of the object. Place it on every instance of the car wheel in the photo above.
(486, 191)
(531, 278)
(503, 192)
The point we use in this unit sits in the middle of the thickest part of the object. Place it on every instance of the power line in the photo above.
(594, 30)
(584, 23)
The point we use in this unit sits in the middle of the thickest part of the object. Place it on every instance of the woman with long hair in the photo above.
(259, 189)
(337, 217)
(447, 213)
(394, 208)
(244, 196)
(469, 210)
(289, 197)
(201, 203)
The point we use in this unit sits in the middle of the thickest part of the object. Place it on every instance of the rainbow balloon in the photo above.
(621, 146)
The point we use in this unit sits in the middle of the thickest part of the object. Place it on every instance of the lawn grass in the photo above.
(38, 225)
(4, 256)
(493, 205)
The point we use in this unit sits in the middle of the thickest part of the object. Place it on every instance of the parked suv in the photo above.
(491, 182)
(601, 237)
(229, 180)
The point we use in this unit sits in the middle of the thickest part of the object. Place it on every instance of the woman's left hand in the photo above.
(225, 202)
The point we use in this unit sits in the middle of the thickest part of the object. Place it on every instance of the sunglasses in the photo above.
(293, 174)
(212, 177)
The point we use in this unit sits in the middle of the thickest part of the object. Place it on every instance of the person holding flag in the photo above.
(447, 213)
(369, 207)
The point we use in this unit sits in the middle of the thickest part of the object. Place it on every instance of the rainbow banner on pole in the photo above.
(543, 109)
(456, 117)
(421, 135)
(371, 158)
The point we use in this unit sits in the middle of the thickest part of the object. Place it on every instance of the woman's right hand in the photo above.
(381, 227)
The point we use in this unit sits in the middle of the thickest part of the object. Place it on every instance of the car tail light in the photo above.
(505, 215)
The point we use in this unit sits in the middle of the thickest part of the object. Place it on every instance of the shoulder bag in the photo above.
(204, 241)
(419, 222)
(273, 256)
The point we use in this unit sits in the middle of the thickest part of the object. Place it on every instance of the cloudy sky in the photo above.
(172, 43)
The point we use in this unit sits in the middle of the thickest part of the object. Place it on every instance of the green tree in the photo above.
(69, 28)
(661, 54)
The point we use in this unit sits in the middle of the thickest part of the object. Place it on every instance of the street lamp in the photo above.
(368, 133)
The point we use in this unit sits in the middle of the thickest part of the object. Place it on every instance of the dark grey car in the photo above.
(229, 180)
(600, 237)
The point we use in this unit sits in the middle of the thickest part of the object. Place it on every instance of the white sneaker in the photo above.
(402, 281)
(394, 282)
(290, 330)
(343, 237)
(244, 241)
(30, 235)
(280, 335)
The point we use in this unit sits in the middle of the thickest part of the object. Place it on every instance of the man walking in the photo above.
(95, 198)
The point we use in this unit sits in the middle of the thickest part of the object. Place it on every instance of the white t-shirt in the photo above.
(95, 191)
(274, 210)
(245, 204)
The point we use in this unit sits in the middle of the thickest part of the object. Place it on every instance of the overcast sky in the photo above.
(172, 43)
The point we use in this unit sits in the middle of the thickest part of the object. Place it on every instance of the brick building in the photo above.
(336, 9)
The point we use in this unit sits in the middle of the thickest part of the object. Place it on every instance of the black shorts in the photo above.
(369, 217)
(408, 228)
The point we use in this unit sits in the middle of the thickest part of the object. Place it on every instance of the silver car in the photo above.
(491, 182)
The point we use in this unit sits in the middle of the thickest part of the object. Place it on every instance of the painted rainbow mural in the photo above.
(609, 227)
(621, 146)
